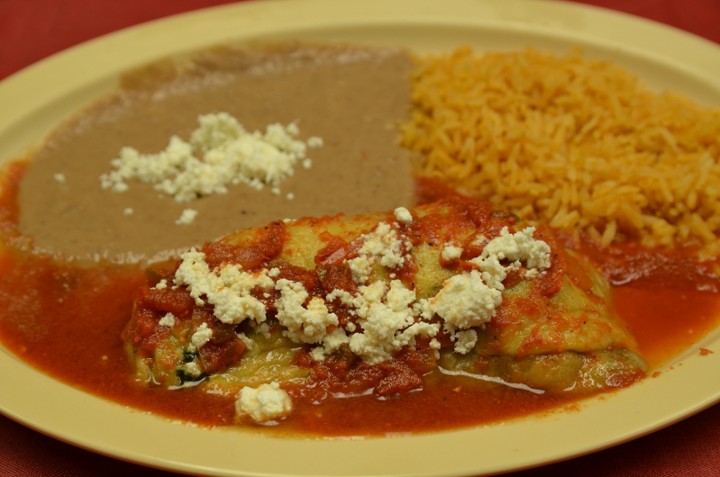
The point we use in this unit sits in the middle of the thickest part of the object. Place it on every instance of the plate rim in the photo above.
(424, 12)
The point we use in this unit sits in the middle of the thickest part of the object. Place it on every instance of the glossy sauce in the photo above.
(67, 321)
(666, 321)
(669, 299)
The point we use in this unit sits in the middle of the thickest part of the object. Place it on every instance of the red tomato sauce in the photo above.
(668, 298)
(67, 321)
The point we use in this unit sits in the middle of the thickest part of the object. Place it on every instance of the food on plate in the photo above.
(220, 154)
(270, 314)
(580, 144)
(308, 88)
(558, 220)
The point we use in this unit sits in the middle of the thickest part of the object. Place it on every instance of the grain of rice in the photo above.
(574, 142)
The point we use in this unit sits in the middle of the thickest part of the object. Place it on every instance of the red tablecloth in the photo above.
(33, 29)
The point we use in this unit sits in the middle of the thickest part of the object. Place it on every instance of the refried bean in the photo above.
(351, 97)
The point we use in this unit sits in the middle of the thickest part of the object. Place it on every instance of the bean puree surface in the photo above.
(351, 97)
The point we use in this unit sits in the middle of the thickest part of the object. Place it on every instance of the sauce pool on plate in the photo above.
(74, 253)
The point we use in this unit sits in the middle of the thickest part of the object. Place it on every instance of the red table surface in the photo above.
(33, 29)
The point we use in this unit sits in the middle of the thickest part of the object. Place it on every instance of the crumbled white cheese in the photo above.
(161, 285)
(465, 300)
(361, 267)
(187, 217)
(403, 216)
(267, 402)
(168, 320)
(220, 153)
(383, 245)
(228, 288)
(517, 247)
(422, 309)
(315, 142)
(304, 324)
(264, 330)
(203, 334)
(387, 318)
(246, 340)
(451, 252)
(465, 341)
(59, 177)
(470, 299)
(330, 343)
(128, 211)
(492, 271)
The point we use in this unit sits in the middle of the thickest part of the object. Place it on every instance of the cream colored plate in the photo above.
(31, 105)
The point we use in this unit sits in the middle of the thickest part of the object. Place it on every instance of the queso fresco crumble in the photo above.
(220, 153)
(388, 315)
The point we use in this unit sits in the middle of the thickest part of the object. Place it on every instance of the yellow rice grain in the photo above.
(574, 142)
